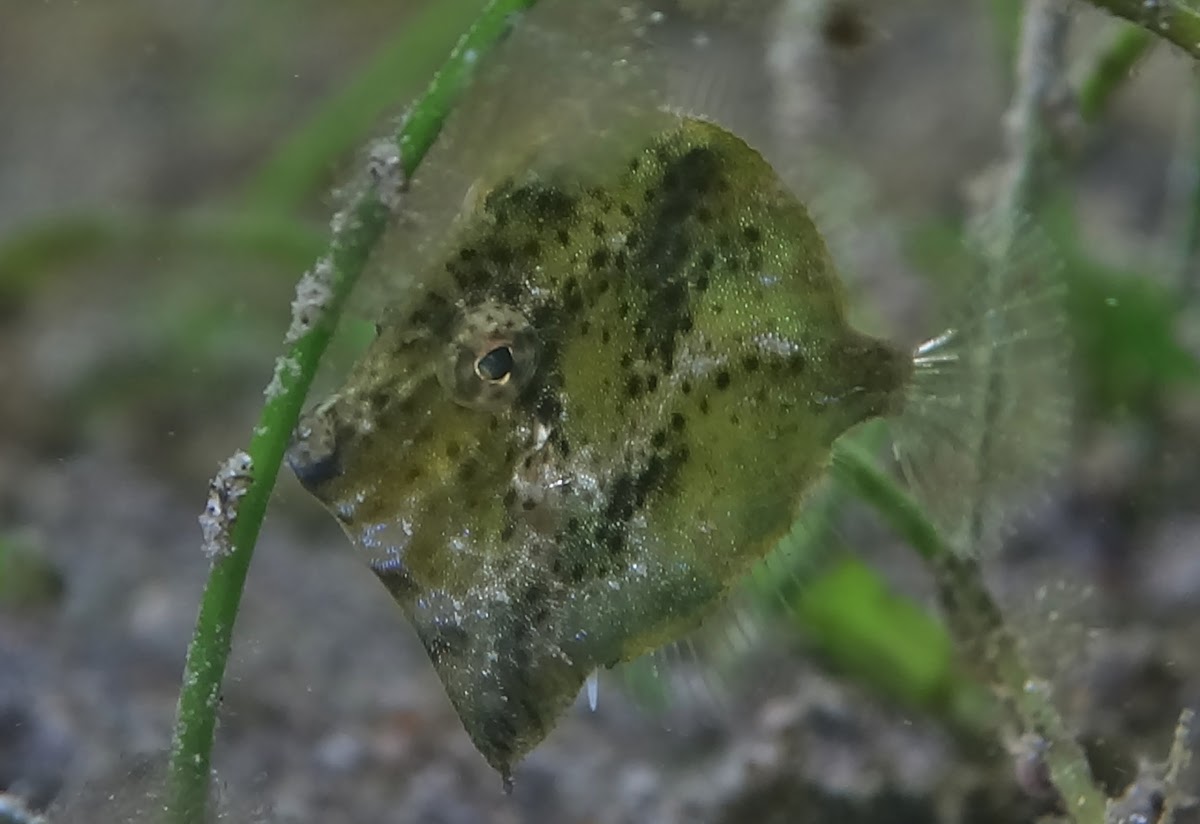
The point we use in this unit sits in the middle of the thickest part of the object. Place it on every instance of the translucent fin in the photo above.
(987, 416)
(702, 675)
(711, 61)
(593, 691)
(596, 79)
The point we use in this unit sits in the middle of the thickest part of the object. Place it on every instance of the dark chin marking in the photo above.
(316, 460)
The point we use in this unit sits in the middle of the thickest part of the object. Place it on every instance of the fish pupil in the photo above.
(496, 365)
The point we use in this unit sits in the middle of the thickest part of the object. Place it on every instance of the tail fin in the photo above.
(986, 421)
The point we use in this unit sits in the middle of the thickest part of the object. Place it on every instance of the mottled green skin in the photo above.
(682, 367)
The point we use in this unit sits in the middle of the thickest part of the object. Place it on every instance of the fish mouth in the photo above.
(313, 454)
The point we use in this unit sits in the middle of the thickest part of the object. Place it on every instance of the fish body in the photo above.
(602, 409)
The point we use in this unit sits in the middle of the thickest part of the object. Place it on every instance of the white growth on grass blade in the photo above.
(285, 368)
(386, 173)
(313, 294)
(225, 492)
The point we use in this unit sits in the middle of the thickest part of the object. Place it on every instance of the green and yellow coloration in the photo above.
(604, 408)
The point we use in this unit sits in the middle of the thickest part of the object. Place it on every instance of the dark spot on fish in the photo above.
(549, 408)
(680, 247)
(500, 254)
(653, 474)
(379, 400)
(467, 470)
(614, 542)
(535, 198)
(604, 335)
(598, 194)
(678, 421)
(723, 379)
(627, 210)
(453, 449)
(704, 214)
(651, 383)
(510, 292)
(686, 386)
(659, 439)
(598, 228)
(528, 504)
(704, 406)
(620, 499)
(510, 497)
(533, 594)
(435, 312)
(598, 259)
(620, 260)
(573, 300)
(564, 237)
(752, 234)
(669, 307)
(442, 638)
(633, 387)
(469, 278)
(578, 572)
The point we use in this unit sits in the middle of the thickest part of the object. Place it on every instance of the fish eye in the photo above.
(496, 365)
(491, 358)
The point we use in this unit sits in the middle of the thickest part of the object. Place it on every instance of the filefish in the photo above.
(602, 409)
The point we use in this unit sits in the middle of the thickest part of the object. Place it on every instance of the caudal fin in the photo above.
(986, 421)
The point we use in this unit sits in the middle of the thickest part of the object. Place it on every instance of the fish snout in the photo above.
(313, 453)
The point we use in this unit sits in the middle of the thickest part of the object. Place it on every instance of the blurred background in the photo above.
(167, 171)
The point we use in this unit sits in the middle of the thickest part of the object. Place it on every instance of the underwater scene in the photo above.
(596, 411)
